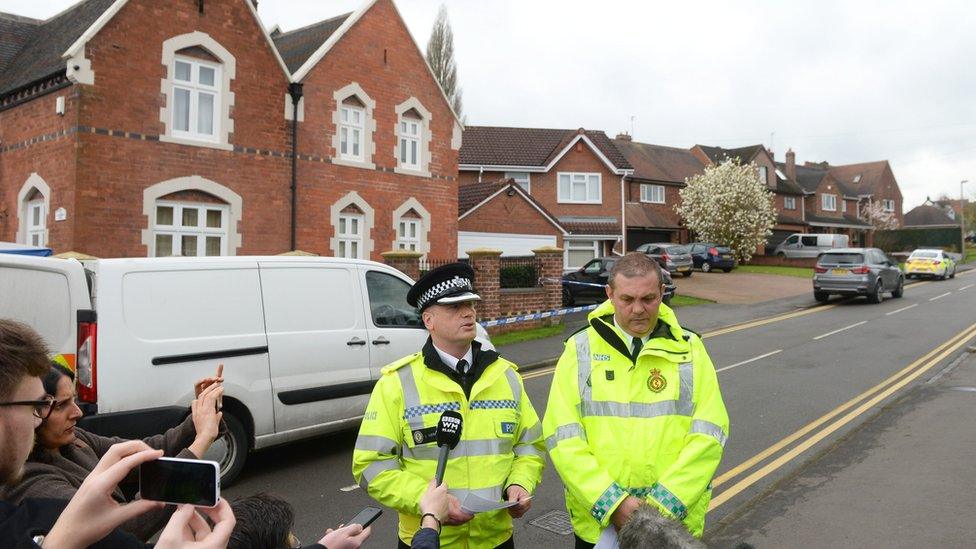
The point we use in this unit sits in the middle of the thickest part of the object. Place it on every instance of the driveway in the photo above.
(742, 288)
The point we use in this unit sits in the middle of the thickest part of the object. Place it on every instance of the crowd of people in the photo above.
(635, 427)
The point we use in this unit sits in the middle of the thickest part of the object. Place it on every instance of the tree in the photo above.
(729, 204)
(440, 57)
(880, 219)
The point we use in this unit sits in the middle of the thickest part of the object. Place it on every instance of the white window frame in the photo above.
(38, 229)
(344, 240)
(828, 202)
(888, 205)
(410, 133)
(177, 230)
(195, 90)
(422, 138)
(763, 174)
(405, 241)
(348, 128)
(588, 179)
(580, 245)
(648, 194)
(843, 206)
(524, 180)
(789, 202)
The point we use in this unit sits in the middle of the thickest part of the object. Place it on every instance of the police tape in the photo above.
(537, 316)
(573, 282)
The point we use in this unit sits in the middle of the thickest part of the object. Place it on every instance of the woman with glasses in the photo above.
(64, 454)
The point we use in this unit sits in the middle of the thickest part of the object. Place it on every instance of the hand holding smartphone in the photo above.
(177, 480)
(366, 517)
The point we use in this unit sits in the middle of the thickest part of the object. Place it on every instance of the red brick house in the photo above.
(575, 176)
(138, 127)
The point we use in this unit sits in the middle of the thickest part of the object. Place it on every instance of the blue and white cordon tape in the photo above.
(546, 314)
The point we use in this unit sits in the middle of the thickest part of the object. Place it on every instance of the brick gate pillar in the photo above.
(551, 269)
(487, 281)
(406, 262)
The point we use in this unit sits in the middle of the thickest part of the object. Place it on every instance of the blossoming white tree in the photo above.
(876, 215)
(728, 204)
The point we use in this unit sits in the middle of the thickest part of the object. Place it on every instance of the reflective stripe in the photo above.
(668, 500)
(374, 469)
(513, 382)
(531, 434)
(610, 496)
(686, 389)
(492, 493)
(411, 397)
(563, 432)
(376, 443)
(424, 409)
(708, 428)
(465, 448)
(609, 408)
(528, 450)
(583, 364)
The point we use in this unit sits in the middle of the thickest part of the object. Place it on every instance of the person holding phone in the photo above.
(65, 454)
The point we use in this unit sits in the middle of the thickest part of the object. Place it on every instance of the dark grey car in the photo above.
(674, 258)
(857, 271)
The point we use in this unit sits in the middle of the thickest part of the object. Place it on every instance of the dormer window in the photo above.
(857, 178)
(196, 99)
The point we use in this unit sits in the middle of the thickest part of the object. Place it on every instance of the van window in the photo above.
(808, 240)
(302, 299)
(793, 239)
(842, 258)
(39, 299)
(192, 304)
(388, 301)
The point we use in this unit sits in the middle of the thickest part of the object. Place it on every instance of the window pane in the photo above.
(413, 152)
(181, 110)
(190, 217)
(343, 140)
(413, 230)
(403, 151)
(164, 245)
(182, 71)
(205, 114)
(388, 301)
(215, 219)
(355, 143)
(354, 249)
(403, 128)
(35, 240)
(564, 187)
(402, 229)
(207, 76)
(354, 226)
(35, 216)
(164, 215)
(344, 115)
(342, 225)
(342, 248)
(213, 245)
(189, 245)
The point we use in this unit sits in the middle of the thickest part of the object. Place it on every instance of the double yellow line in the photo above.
(863, 402)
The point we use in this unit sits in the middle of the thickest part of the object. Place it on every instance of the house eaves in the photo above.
(543, 169)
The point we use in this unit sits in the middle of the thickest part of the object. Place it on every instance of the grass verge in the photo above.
(801, 272)
(527, 335)
(686, 300)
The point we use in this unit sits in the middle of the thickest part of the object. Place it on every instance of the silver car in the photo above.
(857, 271)
(674, 258)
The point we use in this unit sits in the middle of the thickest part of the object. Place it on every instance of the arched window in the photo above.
(413, 138)
(354, 127)
(33, 206)
(191, 216)
(411, 223)
(352, 224)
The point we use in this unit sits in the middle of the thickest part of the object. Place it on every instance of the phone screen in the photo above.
(366, 516)
(173, 480)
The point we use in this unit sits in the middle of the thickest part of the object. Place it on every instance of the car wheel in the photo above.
(900, 290)
(687, 273)
(230, 450)
(821, 297)
(727, 269)
(953, 275)
(877, 294)
(781, 255)
(568, 297)
(706, 266)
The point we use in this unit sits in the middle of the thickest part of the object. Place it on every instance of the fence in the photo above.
(519, 272)
(427, 265)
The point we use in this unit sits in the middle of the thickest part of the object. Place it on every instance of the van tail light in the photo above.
(862, 270)
(86, 367)
(713, 251)
(820, 269)
(665, 257)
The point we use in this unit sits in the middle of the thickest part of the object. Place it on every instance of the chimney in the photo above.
(624, 136)
(790, 165)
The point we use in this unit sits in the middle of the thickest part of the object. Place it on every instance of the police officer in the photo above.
(500, 454)
(635, 412)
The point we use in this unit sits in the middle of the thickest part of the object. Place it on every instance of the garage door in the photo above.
(636, 238)
(776, 239)
(509, 244)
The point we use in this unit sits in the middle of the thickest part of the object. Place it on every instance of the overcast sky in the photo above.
(839, 81)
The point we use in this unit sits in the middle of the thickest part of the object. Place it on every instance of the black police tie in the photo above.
(636, 347)
(462, 367)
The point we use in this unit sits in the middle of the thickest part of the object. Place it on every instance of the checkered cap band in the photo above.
(442, 289)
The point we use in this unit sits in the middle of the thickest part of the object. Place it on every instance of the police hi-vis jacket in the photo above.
(501, 442)
(654, 429)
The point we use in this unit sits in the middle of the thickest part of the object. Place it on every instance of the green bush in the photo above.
(519, 276)
(906, 240)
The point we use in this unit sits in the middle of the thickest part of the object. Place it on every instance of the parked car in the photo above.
(857, 271)
(930, 262)
(302, 339)
(674, 258)
(707, 256)
(597, 271)
(810, 245)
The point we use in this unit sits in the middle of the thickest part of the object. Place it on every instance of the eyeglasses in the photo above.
(42, 408)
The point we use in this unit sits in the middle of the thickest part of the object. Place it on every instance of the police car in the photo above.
(930, 262)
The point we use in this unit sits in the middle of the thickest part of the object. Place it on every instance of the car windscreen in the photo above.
(842, 259)
(924, 255)
(677, 250)
(723, 249)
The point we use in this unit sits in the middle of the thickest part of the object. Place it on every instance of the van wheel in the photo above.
(230, 450)
(781, 255)
(877, 295)
(821, 297)
(706, 266)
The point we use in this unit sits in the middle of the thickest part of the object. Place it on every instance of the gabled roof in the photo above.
(928, 216)
(474, 195)
(296, 46)
(40, 54)
(719, 154)
(786, 186)
(659, 163)
(868, 175)
(808, 178)
(490, 146)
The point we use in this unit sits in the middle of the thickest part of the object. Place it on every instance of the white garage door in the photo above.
(509, 244)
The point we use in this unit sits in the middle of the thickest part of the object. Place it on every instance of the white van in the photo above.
(302, 339)
(809, 245)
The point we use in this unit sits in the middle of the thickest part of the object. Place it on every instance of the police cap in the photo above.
(446, 284)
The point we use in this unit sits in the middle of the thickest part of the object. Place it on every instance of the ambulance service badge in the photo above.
(656, 382)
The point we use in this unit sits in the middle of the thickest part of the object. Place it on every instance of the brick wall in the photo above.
(672, 199)
(497, 217)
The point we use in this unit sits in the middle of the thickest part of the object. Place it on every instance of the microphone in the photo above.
(448, 435)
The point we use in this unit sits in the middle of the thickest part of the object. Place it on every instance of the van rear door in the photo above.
(320, 353)
(395, 329)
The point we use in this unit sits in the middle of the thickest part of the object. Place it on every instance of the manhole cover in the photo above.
(554, 521)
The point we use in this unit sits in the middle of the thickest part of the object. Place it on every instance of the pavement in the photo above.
(904, 478)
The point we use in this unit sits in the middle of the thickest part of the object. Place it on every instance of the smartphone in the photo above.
(366, 516)
(177, 480)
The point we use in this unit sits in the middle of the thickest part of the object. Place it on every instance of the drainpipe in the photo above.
(481, 170)
(623, 215)
(295, 91)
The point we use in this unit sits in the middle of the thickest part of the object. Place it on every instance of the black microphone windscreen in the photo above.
(449, 429)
